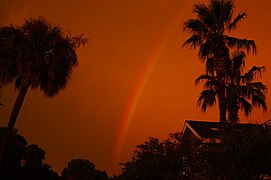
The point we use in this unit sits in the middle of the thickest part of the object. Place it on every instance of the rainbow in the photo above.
(139, 88)
(132, 105)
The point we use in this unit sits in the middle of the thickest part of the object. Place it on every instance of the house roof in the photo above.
(204, 129)
(207, 131)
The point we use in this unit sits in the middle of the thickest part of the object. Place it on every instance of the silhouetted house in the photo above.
(201, 131)
(208, 132)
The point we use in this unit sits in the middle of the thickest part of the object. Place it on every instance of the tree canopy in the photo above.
(25, 161)
(82, 169)
(243, 153)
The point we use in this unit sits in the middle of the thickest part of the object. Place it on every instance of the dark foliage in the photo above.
(82, 169)
(25, 162)
(243, 153)
(155, 159)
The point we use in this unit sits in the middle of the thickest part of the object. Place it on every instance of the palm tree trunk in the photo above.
(222, 104)
(233, 106)
(233, 115)
(221, 55)
(12, 120)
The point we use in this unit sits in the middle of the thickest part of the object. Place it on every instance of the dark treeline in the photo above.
(243, 153)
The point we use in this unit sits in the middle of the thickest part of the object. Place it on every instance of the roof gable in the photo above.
(207, 131)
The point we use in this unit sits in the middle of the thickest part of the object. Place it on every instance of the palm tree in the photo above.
(35, 55)
(208, 33)
(241, 88)
(242, 92)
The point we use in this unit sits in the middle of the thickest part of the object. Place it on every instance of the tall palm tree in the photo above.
(35, 55)
(242, 92)
(208, 33)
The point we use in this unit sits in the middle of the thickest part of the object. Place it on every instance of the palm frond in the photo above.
(257, 85)
(221, 14)
(237, 19)
(259, 101)
(201, 10)
(206, 99)
(245, 91)
(253, 89)
(245, 106)
(204, 77)
(10, 40)
(223, 10)
(256, 92)
(227, 10)
(241, 44)
(195, 26)
(194, 41)
(252, 74)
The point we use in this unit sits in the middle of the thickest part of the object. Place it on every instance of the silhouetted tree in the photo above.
(33, 155)
(35, 55)
(82, 169)
(245, 154)
(25, 162)
(12, 163)
(155, 159)
(33, 167)
(242, 92)
(208, 33)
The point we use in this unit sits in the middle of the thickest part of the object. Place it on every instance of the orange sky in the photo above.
(133, 63)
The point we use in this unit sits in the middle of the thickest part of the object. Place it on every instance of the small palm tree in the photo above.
(208, 33)
(241, 88)
(242, 92)
(35, 55)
